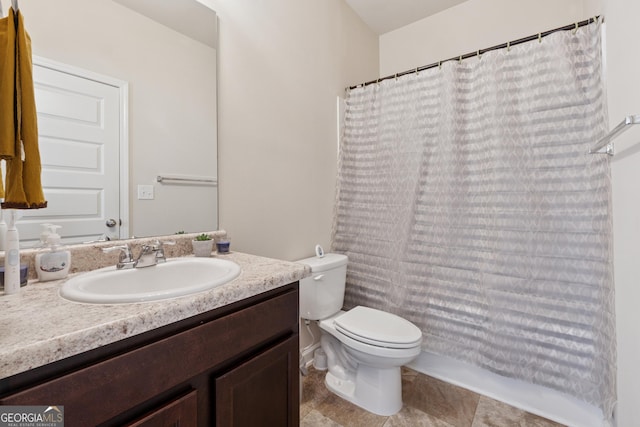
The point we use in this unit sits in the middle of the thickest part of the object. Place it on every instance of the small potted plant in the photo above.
(202, 245)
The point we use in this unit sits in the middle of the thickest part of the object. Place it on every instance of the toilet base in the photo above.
(376, 390)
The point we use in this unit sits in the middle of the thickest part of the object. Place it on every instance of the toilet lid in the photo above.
(379, 328)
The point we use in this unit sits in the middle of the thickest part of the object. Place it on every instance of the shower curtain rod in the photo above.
(538, 36)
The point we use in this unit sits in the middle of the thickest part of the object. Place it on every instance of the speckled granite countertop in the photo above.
(37, 326)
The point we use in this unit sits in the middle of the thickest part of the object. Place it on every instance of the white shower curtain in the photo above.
(467, 202)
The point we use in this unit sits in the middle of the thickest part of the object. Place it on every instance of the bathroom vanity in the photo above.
(225, 357)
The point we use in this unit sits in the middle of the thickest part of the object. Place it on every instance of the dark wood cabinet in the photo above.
(233, 366)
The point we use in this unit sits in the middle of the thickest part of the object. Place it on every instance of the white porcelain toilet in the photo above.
(365, 347)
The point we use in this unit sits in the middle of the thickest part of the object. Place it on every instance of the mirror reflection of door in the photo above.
(79, 126)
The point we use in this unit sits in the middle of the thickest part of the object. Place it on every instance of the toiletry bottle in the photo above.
(11, 256)
(3, 230)
(52, 264)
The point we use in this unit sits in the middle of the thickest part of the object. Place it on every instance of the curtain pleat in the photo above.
(467, 203)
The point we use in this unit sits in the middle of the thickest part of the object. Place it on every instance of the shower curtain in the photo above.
(467, 203)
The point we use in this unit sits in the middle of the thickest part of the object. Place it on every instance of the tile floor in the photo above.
(428, 402)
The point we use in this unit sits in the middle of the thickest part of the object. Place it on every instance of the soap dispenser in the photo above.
(46, 230)
(53, 264)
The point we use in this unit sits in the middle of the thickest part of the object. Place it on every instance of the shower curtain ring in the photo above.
(539, 37)
(479, 56)
(575, 29)
(508, 46)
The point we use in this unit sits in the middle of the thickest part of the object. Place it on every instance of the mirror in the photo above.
(171, 125)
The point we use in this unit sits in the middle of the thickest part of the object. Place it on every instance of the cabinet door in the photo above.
(182, 412)
(262, 392)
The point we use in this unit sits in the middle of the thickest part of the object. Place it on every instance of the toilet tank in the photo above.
(322, 293)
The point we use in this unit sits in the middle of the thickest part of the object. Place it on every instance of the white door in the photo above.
(79, 138)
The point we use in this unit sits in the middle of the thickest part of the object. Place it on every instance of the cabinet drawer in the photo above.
(99, 392)
(182, 412)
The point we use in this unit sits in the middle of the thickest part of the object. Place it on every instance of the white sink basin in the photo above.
(174, 278)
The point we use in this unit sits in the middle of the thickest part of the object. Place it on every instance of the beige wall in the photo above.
(172, 86)
(282, 63)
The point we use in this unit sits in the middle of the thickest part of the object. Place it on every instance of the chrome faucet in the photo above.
(150, 255)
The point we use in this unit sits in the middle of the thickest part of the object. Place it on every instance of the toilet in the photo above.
(364, 347)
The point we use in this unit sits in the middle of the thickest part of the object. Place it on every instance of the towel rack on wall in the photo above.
(606, 140)
(187, 180)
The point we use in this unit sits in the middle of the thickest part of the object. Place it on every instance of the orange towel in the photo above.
(7, 87)
(23, 185)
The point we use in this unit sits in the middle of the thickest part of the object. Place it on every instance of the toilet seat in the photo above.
(378, 328)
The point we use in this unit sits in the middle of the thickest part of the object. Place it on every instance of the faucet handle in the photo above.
(125, 260)
(159, 248)
(125, 251)
(158, 244)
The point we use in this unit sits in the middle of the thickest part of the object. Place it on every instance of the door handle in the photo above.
(111, 223)
(318, 277)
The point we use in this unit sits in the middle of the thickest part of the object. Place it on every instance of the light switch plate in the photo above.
(145, 192)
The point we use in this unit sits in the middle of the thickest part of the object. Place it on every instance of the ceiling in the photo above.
(383, 16)
(194, 18)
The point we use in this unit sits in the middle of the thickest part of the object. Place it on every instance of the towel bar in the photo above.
(606, 140)
(187, 180)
